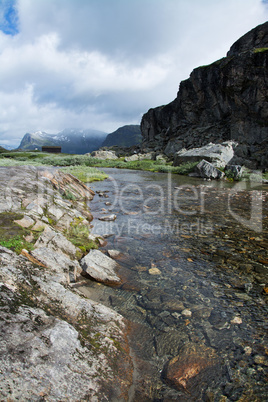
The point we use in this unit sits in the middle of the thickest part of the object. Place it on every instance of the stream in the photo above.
(194, 267)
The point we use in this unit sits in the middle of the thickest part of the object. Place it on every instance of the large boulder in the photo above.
(100, 267)
(217, 154)
(139, 157)
(206, 170)
(103, 154)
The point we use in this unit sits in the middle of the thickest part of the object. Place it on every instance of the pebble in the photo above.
(236, 320)
(186, 313)
(154, 271)
(260, 360)
(248, 350)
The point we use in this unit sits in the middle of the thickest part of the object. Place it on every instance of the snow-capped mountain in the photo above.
(72, 141)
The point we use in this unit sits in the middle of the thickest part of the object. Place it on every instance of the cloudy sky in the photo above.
(103, 63)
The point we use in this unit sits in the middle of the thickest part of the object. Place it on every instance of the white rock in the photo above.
(108, 218)
(56, 242)
(100, 267)
(236, 320)
(218, 154)
(186, 313)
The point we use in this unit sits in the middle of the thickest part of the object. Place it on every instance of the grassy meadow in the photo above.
(85, 167)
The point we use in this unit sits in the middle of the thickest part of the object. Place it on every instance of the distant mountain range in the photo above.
(125, 136)
(73, 141)
(6, 147)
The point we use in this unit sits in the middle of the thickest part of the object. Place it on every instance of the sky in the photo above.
(103, 63)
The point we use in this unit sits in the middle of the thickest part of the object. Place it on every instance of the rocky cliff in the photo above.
(226, 100)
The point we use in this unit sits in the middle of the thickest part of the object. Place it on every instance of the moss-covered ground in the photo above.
(12, 235)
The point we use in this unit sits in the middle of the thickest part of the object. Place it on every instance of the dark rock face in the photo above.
(226, 100)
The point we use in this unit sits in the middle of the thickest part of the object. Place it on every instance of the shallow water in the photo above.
(194, 263)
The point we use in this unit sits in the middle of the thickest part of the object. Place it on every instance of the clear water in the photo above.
(194, 269)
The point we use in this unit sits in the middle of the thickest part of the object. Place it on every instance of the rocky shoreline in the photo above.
(56, 345)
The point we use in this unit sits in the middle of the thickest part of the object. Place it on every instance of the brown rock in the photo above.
(185, 371)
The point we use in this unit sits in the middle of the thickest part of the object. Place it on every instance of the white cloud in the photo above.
(104, 63)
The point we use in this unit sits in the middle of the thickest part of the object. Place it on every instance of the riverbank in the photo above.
(55, 343)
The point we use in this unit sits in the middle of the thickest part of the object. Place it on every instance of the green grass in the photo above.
(78, 233)
(81, 165)
(16, 244)
(13, 235)
(85, 173)
(260, 49)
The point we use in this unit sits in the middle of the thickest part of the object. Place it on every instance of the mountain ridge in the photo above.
(72, 141)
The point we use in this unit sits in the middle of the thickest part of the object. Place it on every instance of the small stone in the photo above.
(236, 320)
(248, 287)
(154, 271)
(186, 313)
(248, 350)
(260, 360)
(25, 222)
(108, 218)
(114, 253)
(176, 315)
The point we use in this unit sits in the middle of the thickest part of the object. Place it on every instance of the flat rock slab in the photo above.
(57, 242)
(100, 267)
(218, 154)
(59, 263)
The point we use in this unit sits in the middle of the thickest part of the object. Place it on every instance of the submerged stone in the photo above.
(186, 370)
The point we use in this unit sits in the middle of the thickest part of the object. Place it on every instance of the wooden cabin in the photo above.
(51, 149)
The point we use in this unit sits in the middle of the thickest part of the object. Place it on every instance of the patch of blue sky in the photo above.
(9, 21)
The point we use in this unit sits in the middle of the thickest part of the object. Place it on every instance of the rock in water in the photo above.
(100, 267)
(108, 218)
(208, 171)
(185, 371)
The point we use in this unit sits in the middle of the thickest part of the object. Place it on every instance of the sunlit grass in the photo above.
(85, 173)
